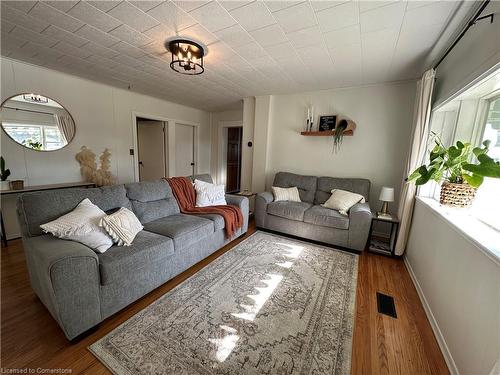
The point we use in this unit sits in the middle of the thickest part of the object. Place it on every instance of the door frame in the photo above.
(169, 141)
(220, 149)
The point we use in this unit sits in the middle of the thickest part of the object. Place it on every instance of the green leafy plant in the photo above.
(455, 164)
(338, 135)
(35, 145)
(4, 173)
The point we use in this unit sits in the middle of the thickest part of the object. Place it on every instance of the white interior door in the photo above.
(151, 150)
(184, 150)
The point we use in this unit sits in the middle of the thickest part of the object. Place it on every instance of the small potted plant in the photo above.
(4, 175)
(460, 169)
(339, 131)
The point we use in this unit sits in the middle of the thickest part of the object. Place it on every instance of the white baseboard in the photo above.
(435, 327)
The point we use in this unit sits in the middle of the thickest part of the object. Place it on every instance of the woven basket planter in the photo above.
(457, 195)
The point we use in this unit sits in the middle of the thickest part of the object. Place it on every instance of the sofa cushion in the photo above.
(152, 200)
(146, 250)
(305, 184)
(288, 210)
(185, 230)
(37, 208)
(218, 220)
(327, 184)
(326, 217)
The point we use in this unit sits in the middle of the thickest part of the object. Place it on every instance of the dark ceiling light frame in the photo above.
(187, 56)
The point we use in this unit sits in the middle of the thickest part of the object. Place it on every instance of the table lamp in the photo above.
(386, 196)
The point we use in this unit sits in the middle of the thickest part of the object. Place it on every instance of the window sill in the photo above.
(484, 237)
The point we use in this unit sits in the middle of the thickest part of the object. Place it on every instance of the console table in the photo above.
(27, 189)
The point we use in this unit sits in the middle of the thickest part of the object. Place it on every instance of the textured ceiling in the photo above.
(255, 47)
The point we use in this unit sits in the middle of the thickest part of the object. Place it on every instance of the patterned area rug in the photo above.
(271, 305)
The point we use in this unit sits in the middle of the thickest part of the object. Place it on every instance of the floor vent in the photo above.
(385, 305)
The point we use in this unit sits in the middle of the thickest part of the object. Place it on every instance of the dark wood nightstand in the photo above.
(381, 245)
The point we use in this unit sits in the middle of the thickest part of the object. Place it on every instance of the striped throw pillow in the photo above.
(286, 194)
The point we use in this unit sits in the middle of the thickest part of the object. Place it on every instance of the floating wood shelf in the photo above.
(327, 133)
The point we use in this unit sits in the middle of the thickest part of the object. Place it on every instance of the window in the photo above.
(473, 116)
(486, 205)
(38, 136)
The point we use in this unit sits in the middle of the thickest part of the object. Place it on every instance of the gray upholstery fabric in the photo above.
(327, 184)
(65, 276)
(81, 288)
(37, 208)
(288, 210)
(261, 202)
(306, 230)
(360, 219)
(326, 217)
(147, 249)
(218, 220)
(317, 223)
(185, 230)
(306, 184)
(152, 200)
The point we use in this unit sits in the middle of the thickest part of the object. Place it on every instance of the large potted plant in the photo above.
(460, 169)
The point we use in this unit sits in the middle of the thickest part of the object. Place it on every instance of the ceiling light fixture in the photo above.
(34, 98)
(187, 56)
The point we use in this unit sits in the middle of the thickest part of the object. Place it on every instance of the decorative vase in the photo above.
(5, 185)
(457, 195)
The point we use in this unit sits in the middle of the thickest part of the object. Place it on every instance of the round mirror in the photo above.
(37, 122)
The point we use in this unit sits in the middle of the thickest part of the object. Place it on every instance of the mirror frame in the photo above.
(32, 149)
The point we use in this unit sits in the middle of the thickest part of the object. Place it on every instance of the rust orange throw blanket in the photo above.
(185, 195)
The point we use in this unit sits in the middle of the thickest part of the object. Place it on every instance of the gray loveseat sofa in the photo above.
(81, 288)
(308, 219)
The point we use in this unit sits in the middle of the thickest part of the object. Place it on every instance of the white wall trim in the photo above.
(450, 362)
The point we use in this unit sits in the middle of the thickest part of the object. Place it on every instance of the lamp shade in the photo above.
(387, 194)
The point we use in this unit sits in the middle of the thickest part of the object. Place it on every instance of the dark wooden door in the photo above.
(233, 168)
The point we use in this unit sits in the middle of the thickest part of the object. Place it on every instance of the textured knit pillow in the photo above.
(343, 200)
(286, 194)
(122, 226)
(208, 194)
(81, 225)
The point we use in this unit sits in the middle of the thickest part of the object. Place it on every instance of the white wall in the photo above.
(103, 118)
(377, 151)
(460, 286)
(476, 53)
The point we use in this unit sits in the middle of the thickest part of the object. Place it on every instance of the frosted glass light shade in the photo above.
(387, 194)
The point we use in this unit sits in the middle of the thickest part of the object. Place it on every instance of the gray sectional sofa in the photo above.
(308, 219)
(81, 288)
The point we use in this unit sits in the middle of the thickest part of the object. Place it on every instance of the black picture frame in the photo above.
(327, 122)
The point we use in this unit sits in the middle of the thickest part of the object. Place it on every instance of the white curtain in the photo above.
(66, 126)
(418, 147)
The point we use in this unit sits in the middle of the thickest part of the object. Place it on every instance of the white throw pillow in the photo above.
(208, 194)
(122, 226)
(81, 225)
(286, 194)
(343, 200)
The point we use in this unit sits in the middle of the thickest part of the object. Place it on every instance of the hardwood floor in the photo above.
(30, 338)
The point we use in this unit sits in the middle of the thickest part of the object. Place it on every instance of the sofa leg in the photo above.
(85, 334)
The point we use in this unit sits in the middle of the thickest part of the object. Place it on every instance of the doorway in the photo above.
(233, 159)
(151, 149)
(185, 150)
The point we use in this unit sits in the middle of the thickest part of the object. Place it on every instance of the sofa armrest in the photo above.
(65, 276)
(360, 220)
(243, 204)
(261, 202)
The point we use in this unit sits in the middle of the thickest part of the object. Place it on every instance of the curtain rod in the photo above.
(471, 23)
(30, 110)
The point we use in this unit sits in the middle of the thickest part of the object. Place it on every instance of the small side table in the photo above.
(379, 245)
(248, 194)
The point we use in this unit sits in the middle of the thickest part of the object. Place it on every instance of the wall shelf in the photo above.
(328, 133)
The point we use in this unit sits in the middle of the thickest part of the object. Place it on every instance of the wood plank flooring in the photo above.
(30, 338)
